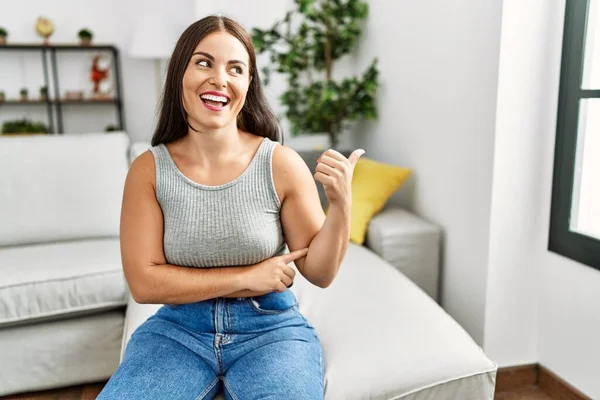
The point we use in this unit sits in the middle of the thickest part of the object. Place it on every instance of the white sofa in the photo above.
(62, 294)
(62, 288)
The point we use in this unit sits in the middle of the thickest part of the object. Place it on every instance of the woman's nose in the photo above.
(219, 78)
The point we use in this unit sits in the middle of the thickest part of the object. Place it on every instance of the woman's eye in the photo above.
(202, 63)
(238, 70)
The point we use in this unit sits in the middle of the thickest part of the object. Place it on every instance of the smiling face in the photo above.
(215, 81)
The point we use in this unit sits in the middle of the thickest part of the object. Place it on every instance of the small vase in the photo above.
(24, 97)
(2, 40)
(85, 41)
(2, 98)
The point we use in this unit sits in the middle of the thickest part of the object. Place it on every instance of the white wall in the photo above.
(526, 68)
(439, 63)
(569, 297)
(112, 22)
(541, 307)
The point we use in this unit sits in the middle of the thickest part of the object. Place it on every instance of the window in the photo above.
(575, 216)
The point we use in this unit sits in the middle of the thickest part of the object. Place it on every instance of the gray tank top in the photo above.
(237, 223)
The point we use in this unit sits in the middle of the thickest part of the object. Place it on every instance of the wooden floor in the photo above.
(522, 394)
(89, 392)
(83, 392)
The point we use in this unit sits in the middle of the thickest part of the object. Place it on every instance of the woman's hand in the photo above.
(334, 172)
(273, 274)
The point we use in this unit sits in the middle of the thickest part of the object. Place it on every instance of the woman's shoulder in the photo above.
(142, 168)
(286, 158)
(289, 169)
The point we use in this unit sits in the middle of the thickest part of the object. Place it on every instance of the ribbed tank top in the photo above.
(237, 223)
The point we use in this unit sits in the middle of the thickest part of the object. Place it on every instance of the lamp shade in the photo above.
(154, 36)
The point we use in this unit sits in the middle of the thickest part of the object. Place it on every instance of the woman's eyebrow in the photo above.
(211, 58)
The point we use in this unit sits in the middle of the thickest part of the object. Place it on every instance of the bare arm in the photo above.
(152, 280)
(303, 220)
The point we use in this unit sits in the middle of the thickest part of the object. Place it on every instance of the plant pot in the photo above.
(23, 134)
(43, 97)
(85, 41)
(2, 40)
(308, 142)
(24, 97)
(2, 97)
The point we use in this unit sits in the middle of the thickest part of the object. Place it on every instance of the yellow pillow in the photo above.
(373, 183)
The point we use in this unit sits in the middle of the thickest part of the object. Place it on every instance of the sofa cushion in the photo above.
(373, 183)
(378, 326)
(61, 187)
(383, 338)
(51, 281)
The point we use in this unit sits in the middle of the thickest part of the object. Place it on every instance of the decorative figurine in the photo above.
(44, 28)
(74, 95)
(99, 72)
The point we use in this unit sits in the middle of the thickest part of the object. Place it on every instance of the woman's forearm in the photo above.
(173, 284)
(327, 249)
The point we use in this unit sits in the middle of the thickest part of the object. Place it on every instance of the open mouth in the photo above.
(214, 101)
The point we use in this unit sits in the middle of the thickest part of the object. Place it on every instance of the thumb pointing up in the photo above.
(355, 156)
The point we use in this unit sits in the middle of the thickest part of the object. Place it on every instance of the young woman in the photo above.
(208, 216)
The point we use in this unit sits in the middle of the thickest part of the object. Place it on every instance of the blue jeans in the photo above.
(248, 348)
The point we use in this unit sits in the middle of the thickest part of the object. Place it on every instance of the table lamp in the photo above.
(154, 37)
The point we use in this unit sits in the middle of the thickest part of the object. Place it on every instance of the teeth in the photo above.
(214, 98)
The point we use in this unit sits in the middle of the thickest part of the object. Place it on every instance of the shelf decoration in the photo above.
(74, 95)
(85, 37)
(44, 28)
(98, 75)
(103, 72)
(24, 94)
(3, 36)
(23, 127)
(44, 93)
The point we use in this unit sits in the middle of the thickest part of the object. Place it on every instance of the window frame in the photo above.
(562, 240)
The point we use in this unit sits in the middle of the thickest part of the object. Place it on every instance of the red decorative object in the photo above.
(97, 75)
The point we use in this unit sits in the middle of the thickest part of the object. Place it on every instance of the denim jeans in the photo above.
(248, 348)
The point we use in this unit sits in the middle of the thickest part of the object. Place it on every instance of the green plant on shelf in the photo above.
(23, 126)
(44, 92)
(3, 35)
(85, 36)
(2, 96)
(111, 128)
(24, 94)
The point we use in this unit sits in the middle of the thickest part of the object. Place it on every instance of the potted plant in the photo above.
(23, 127)
(3, 36)
(304, 47)
(44, 93)
(2, 96)
(85, 37)
(24, 94)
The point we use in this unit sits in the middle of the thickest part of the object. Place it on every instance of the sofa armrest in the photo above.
(410, 244)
